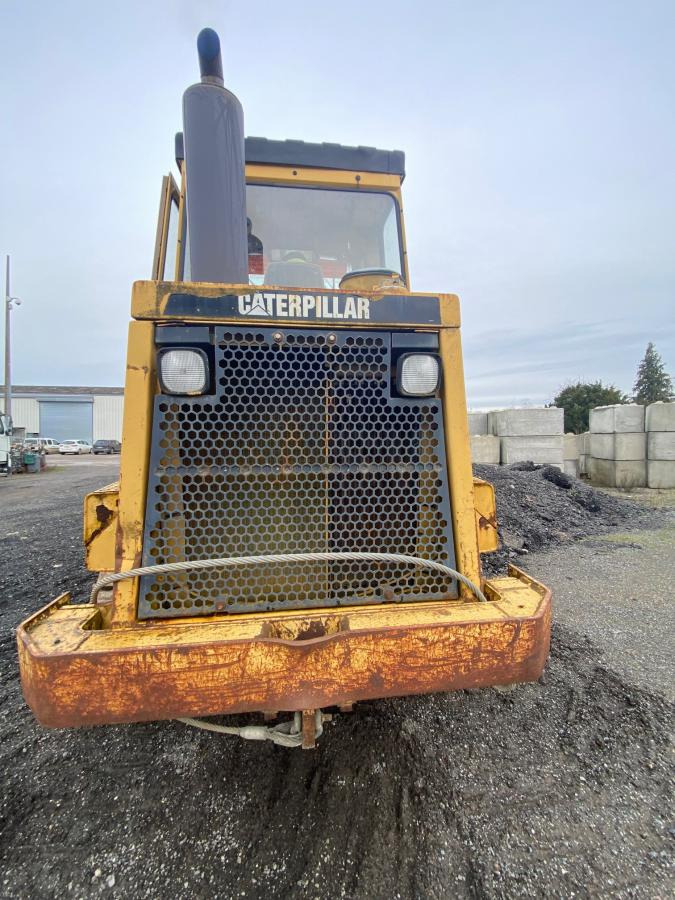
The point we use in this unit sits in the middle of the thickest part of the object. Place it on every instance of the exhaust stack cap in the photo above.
(210, 60)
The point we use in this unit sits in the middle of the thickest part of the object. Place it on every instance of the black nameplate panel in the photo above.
(309, 306)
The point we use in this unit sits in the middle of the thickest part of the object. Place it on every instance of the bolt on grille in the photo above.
(300, 449)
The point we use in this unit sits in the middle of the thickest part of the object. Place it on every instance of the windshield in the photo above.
(310, 237)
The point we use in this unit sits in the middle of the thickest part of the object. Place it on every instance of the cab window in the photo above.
(311, 237)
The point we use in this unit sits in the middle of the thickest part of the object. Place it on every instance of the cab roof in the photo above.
(317, 156)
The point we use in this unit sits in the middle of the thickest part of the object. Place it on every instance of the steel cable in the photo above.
(280, 558)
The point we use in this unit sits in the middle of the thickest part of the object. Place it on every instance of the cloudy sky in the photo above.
(540, 152)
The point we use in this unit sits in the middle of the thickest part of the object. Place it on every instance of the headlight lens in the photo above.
(418, 374)
(183, 371)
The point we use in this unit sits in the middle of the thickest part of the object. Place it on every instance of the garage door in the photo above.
(65, 419)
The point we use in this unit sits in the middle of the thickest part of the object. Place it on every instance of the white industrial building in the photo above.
(61, 413)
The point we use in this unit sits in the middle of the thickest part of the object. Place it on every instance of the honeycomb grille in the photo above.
(301, 448)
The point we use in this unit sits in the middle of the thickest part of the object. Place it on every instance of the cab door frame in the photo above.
(169, 195)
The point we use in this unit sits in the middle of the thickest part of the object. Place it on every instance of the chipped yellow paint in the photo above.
(100, 528)
(485, 506)
(458, 450)
(139, 391)
(75, 671)
(82, 664)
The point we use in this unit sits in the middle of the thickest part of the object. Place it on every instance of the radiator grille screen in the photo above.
(301, 448)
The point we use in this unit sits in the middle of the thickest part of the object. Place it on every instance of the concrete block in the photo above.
(583, 463)
(624, 417)
(660, 417)
(478, 423)
(541, 449)
(571, 467)
(571, 446)
(619, 446)
(661, 445)
(537, 421)
(485, 449)
(661, 473)
(627, 473)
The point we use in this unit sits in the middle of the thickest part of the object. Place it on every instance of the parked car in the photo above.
(106, 447)
(74, 446)
(49, 445)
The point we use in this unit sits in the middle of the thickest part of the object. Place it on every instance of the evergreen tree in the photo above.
(652, 382)
(579, 399)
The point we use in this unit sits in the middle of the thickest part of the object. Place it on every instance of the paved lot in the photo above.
(557, 789)
(56, 461)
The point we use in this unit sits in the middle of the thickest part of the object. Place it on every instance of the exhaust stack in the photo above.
(213, 126)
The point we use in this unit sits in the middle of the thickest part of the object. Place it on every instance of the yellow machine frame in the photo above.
(87, 664)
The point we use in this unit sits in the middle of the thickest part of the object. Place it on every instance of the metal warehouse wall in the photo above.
(108, 417)
(25, 414)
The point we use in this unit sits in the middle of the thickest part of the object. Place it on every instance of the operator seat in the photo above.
(294, 271)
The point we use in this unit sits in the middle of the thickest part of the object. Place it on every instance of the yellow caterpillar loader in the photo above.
(296, 526)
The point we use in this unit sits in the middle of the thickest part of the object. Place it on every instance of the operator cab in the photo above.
(315, 214)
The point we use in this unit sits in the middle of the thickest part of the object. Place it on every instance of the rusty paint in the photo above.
(99, 526)
(313, 630)
(139, 391)
(486, 523)
(103, 515)
(486, 515)
(308, 729)
(127, 675)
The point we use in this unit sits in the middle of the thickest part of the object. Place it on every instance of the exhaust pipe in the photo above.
(213, 126)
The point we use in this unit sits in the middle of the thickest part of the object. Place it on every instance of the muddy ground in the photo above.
(557, 789)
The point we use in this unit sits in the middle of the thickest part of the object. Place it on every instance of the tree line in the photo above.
(652, 383)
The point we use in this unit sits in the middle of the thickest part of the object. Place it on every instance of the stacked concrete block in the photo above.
(618, 446)
(625, 418)
(529, 434)
(478, 423)
(660, 425)
(485, 449)
(571, 454)
(584, 452)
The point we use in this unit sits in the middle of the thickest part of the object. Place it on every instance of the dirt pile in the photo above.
(538, 506)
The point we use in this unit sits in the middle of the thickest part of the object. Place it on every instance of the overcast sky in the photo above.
(540, 156)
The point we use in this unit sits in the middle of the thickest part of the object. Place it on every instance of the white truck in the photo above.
(5, 438)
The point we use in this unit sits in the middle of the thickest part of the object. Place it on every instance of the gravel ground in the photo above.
(540, 506)
(618, 589)
(555, 789)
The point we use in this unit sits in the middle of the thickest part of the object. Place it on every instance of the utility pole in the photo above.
(8, 363)
(9, 301)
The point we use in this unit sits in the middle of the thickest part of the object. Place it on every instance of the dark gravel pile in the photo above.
(540, 506)
(555, 789)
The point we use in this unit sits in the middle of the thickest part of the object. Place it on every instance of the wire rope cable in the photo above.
(280, 558)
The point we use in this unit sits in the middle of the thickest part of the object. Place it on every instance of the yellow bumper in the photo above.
(76, 671)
